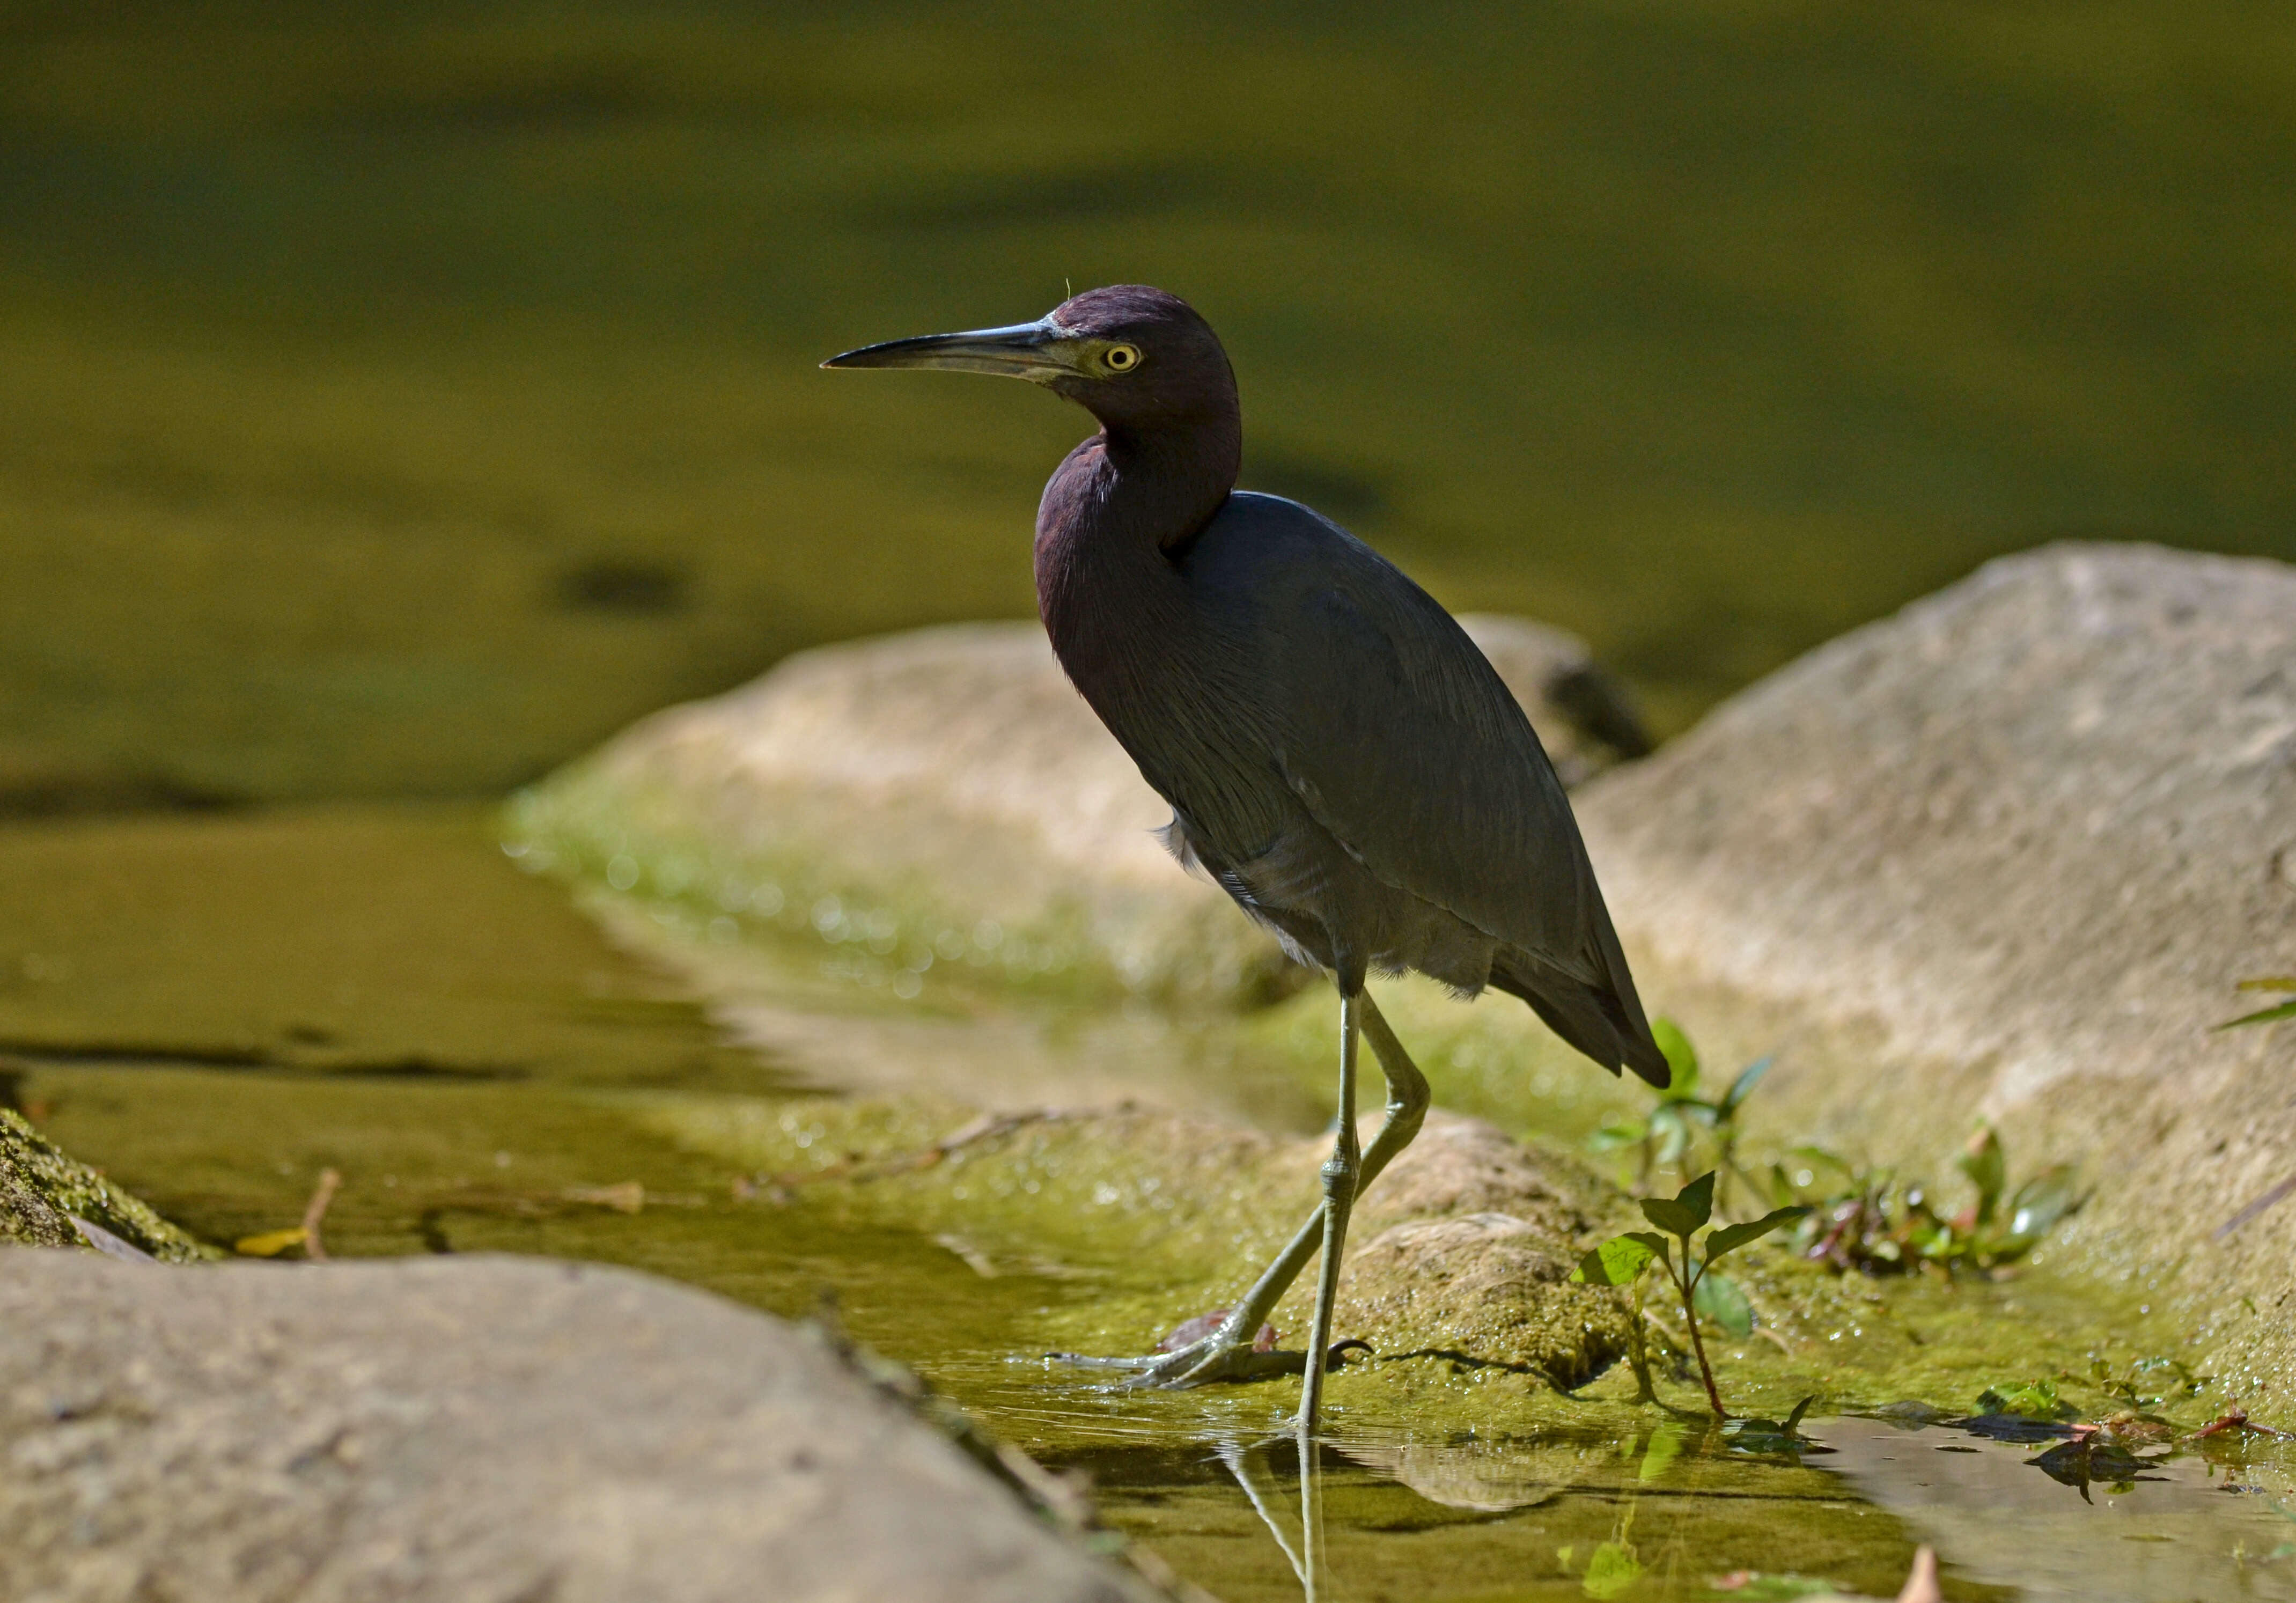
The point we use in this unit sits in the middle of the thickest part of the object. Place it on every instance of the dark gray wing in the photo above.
(1402, 741)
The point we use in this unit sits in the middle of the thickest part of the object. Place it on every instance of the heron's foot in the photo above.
(1179, 1361)
(1200, 1351)
(1198, 1364)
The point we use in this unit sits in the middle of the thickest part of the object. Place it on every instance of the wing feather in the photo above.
(1399, 737)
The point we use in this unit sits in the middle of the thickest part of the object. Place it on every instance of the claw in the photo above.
(1206, 1363)
(1200, 1363)
(1192, 1355)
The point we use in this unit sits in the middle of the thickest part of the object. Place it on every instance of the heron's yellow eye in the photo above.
(1122, 358)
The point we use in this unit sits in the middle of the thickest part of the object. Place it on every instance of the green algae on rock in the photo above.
(42, 1192)
(1466, 1240)
(2005, 856)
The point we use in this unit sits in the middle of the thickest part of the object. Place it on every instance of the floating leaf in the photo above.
(1724, 1301)
(1619, 1261)
(1681, 1058)
(1773, 1435)
(1731, 1237)
(1689, 1210)
(271, 1243)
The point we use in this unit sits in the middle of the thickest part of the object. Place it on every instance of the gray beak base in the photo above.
(1025, 351)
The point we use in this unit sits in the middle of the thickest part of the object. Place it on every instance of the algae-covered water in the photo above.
(401, 397)
(216, 1009)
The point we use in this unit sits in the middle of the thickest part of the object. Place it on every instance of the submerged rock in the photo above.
(47, 1199)
(2005, 854)
(926, 786)
(473, 1427)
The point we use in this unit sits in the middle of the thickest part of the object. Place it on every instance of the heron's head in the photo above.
(1133, 356)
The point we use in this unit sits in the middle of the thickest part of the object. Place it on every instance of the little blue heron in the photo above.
(1338, 755)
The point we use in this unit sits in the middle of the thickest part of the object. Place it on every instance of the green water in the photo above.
(380, 991)
(401, 397)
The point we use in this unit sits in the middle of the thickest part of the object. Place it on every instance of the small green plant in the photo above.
(2027, 1400)
(2146, 1382)
(1781, 1437)
(1680, 1118)
(1622, 1260)
(1866, 1220)
(2268, 1015)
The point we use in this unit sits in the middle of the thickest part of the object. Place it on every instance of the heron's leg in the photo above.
(1407, 1096)
(1227, 1354)
(1341, 1172)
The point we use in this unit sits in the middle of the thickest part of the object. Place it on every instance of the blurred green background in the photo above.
(396, 399)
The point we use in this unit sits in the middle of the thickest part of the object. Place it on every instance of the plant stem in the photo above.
(1683, 1283)
(1639, 1351)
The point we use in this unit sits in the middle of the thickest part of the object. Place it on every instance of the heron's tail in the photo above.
(1603, 1019)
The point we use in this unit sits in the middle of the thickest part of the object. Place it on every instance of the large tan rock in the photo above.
(2004, 855)
(470, 1428)
(935, 779)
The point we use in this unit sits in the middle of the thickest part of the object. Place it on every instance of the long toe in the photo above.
(1237, 1363)
(1086, 1360)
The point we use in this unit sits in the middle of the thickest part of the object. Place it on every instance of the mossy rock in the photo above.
(42, 1192)
(1462, 1249)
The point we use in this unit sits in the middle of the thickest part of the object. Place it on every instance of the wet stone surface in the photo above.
(471, 1427)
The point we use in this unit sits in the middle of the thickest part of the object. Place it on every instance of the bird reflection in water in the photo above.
(1254, 1471)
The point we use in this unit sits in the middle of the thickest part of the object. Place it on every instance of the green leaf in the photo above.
(1987, 1169)
(2269, 1015)
(1722, 1300)
(1681, 1058)
(1611, 1569)
(1743, 1086)
(1793, 1420)
(1733, 1237)
(1617, 1134)
(2028, 1400)
(1673, 1131)
(1619, 1261)
(271, 1243)
(2269, 982)
(1666, 1445)
(1687, 1213)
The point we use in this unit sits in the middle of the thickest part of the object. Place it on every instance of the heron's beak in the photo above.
(1038, 350)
